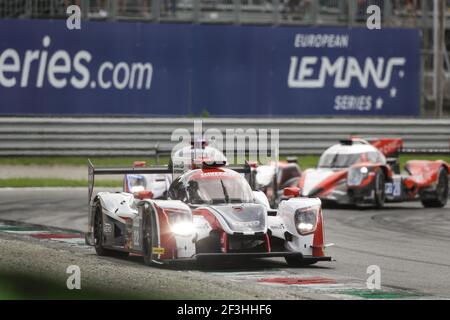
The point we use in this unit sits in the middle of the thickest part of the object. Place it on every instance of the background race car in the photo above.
(156, 184)
(356, 171)
(274, 177)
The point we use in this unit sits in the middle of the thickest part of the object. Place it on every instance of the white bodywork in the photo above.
(123, 208)
(358, 148)
(264, 175)
(285, 212)
(261, 198)
(174, 228)
(314, 177)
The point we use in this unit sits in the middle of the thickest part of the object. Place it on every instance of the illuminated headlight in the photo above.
(306, 220)
(180, 222)
(357, 175)
(183, 228)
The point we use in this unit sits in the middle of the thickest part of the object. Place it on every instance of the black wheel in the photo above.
(379, 189)
(441, 194)
(147, 238)
(99, 237)
(295, 261)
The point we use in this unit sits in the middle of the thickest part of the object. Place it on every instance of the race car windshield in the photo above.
(219, 191)
(344, 160)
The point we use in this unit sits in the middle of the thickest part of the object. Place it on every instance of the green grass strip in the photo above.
(50, 182)
(78, 161)
(308, 161)
(378, 294)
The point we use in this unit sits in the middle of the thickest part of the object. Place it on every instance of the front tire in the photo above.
(441, 195)
(379, 189)
(147, 238)
(99, 237)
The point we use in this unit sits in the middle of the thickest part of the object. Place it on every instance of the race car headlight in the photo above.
(183, 228)
(180, 222)
(357, 175)
(306, 220)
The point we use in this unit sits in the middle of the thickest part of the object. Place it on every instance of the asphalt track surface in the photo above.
(410, 244)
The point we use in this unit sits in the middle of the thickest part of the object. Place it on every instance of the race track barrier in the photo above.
(49, 136)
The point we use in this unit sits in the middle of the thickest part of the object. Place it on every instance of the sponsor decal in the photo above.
(394, 188)
(313, 71)
(277, 227)
(158, 250)
(136, 238)
(217, 174)
(58, 69)
(349, 81)
(249, 224)
(107, 228)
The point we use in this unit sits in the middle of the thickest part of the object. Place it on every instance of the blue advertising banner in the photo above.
(173, 69)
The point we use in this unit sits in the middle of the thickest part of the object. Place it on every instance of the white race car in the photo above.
(209, 212)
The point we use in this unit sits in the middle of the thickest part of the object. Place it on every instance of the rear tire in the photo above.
(99, 237)
(379, 189)
(295, 261)
(441, 195)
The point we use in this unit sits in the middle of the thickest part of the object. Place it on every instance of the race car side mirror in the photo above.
(145, 194)
(292, 192)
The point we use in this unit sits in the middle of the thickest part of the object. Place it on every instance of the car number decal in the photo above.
(393, 188)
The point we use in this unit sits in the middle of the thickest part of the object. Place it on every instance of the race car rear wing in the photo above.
(390, 147)
(93, 171)
(393, 147)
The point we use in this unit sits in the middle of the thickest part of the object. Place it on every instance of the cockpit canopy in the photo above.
(211, 186)
(343, 156)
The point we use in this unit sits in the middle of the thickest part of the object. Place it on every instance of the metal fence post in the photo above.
(156, 10)
(314, 12)
(29, 8)
(424, 18)
(387, 11)
(112, 8)
(196, 13)
(351, 12)
(84, 9)
(439, 44)
(237, 11)
(276, 12)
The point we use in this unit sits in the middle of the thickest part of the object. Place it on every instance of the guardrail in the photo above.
(152, 136)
